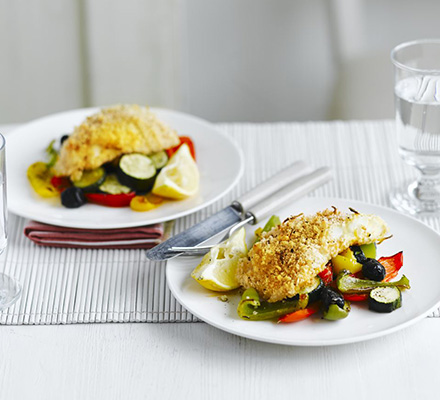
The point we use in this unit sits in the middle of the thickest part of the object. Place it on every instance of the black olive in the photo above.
(329, 296)
(373, 269)
(358, 254)
(64, 138)
(73, 197)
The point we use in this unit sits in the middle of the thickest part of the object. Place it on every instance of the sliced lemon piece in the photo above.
(218, 268)
(180, 176)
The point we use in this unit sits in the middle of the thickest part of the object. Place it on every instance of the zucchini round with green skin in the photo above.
(314, 289)
(111, 185)
(91, 179)
(385, 299)
(137, 171)
(159, 159)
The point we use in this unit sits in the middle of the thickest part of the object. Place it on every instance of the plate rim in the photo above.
(174, 216)
(331, 342)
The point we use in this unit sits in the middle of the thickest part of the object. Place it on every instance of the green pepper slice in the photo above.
(335, 312)
(272, 222)
(250, 306)
(348, 283)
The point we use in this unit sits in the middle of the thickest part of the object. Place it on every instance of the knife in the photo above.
(291, 192)
(229, 216)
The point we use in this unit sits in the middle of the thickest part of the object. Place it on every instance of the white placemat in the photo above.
(66, 286)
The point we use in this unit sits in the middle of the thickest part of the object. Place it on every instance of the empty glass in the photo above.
(417, 99)
(9, 288)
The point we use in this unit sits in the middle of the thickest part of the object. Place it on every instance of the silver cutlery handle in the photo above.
(295, 190)
(273, 184)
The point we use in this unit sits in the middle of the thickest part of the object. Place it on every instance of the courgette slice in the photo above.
(385, 299)
(91, 179)
(159, 159)
(137, 171)
(111, 185)
(313, 290)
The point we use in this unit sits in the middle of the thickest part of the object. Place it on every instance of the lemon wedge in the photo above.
(218, 268)
(179, 179)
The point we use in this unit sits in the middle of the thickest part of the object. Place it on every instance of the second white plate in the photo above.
(219, 160)
(421, 249)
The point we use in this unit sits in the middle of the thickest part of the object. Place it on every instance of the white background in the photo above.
(224, 60)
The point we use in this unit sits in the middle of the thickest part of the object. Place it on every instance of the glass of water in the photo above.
(417, 99)
(10, 289)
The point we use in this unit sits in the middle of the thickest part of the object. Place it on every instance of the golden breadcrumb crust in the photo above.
(288, 257)
(113, 131)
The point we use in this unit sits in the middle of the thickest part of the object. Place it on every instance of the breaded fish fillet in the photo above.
(110, 133)
(289, 256)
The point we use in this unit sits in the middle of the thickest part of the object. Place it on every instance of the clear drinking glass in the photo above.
(417, 100)
(10, 289)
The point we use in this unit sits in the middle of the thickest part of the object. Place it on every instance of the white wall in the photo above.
(258, 60)
(224, 60)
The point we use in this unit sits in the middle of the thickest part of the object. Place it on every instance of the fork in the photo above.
(291, 192)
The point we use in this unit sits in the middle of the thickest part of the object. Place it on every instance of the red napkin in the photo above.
(141, 237)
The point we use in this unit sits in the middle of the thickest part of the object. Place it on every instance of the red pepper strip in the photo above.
(327, 274)
(392, 265)
(356, 297)
(60, 182)
(300, 314)
(183, 139)
(110, 200)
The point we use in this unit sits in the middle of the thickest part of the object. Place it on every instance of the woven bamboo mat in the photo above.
(66, 286)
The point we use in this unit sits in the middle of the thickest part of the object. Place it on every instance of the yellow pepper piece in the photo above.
(39, 176)
(145, 203)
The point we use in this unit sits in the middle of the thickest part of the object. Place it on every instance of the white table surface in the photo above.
(197, 361)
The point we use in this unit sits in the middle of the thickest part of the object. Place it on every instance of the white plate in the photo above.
(421, 249)
(219, 160)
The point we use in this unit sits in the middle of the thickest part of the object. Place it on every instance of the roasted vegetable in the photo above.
(159, 159)
(392, 265)
(330, 296)
(385, 299)
(137, 171)
(350, 258)
(183, 140)
(63, 138)
(327, 274)
(300, 314)
(314, 289)
(333, 304)
(111, 185)
(145, 202)
(91, 179)
(335, 312)
(61, 182)
(40, 176)
(347, 283)
(272, 222)
(250, 306)
(373, 269)
(110, 200)
(52, 154)
(73, 197)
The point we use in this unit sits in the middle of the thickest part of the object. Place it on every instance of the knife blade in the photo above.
(229, 216)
